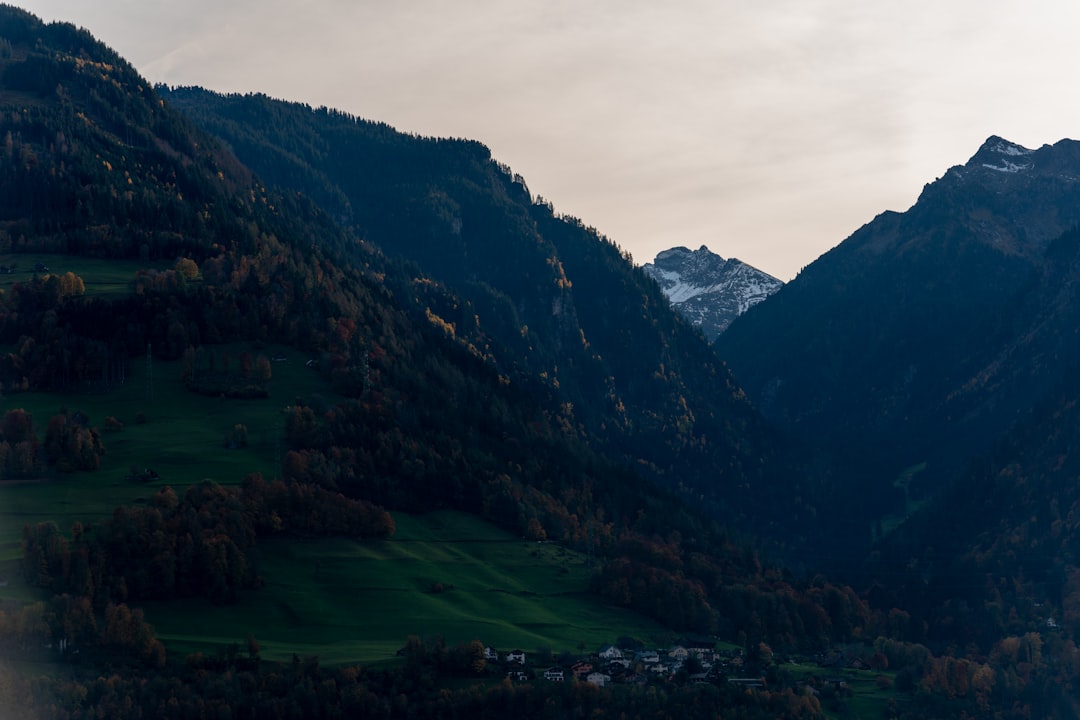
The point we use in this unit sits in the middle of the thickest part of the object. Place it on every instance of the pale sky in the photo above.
(768, 130)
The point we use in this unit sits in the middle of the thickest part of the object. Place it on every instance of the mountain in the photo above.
(480, 385)
(1011, 512)
(708, 290)
(931, 359)
(466, 348)
(1011, 515)
(426, 404)
(479, 352)
(923, 337)
(543, 297)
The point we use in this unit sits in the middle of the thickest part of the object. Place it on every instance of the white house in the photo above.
(516, 656)
(598, 679)
(554, 674)
(678, 653)
(610, 652)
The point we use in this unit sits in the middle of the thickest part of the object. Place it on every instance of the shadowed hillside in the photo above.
(543, 297)
(927, 334)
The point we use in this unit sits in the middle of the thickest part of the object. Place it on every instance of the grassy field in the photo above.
(864, 698)
(346, 601)
(182, 439)
(100, 276)
(903, 482)
(342, 600)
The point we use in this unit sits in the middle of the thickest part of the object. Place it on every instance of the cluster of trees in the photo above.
(71, 444)
(48, 351)
(282, 506)
(706, 591)
(71, 628)
(1026, 676)
(43, 291)
(20, 449)
(199, 544)
(209, 372)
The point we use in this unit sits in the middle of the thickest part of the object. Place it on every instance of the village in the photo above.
(693, 661)
(697, 662)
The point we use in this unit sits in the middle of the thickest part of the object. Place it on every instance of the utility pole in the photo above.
(149, 374)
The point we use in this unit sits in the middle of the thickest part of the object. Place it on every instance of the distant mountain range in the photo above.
(708, 290)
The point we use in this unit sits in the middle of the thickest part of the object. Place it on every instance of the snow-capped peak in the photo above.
(1001, 155)
(1004, 147)
(707, 289)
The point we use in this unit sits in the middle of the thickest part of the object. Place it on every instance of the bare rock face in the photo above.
(708, 290)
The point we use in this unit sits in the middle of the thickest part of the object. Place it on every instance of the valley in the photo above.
(288, 392)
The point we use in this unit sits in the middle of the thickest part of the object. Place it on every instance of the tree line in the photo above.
(197, 544)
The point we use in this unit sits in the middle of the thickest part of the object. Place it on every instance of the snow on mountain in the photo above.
(997, 150)
(707, 289)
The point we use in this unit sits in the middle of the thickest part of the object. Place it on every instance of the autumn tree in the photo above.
(262, 369)
(19, 448)
(17, 426)
(187, 268)
(71, 445)
(127, 630)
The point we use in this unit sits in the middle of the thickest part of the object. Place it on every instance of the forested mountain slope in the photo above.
(932, 357)
(427, 418)
(544, 298)
(1006, 532)
(96, 164)
(926, 335)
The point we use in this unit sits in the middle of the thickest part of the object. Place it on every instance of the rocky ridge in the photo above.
(708, 290)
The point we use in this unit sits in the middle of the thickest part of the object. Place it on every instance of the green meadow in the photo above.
(445, 574)
(100, 276)
(866, 694)
(181, 436)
